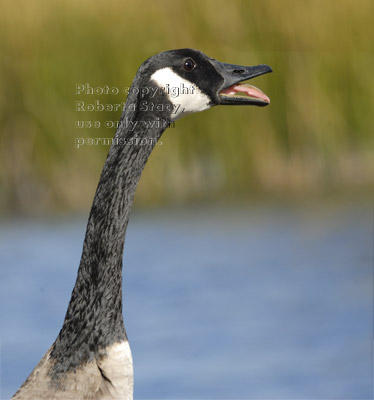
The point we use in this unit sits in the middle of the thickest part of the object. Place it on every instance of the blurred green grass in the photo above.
(315, 137)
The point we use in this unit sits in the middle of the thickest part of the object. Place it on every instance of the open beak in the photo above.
(232, 92)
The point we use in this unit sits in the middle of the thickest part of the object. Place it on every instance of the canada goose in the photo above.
(91, 357)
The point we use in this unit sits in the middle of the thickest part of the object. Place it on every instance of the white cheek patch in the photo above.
(185, 96)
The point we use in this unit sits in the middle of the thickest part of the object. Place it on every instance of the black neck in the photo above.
(94, 316)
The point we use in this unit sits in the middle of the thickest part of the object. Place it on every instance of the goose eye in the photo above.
(189, 64)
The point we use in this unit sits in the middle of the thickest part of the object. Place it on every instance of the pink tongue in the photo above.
(250, 90)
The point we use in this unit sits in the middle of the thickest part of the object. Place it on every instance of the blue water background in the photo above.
(264, 302)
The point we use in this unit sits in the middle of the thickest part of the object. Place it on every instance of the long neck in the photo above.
(94, 317)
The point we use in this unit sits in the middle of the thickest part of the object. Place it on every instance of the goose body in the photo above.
(91, 357)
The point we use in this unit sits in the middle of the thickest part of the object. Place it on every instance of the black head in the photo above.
(194, 82)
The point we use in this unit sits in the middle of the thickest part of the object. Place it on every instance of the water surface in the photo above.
(272, 301)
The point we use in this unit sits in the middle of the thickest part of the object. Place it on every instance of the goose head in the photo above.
(186, 81)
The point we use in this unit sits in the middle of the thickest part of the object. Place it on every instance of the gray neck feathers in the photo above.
(94, 316)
